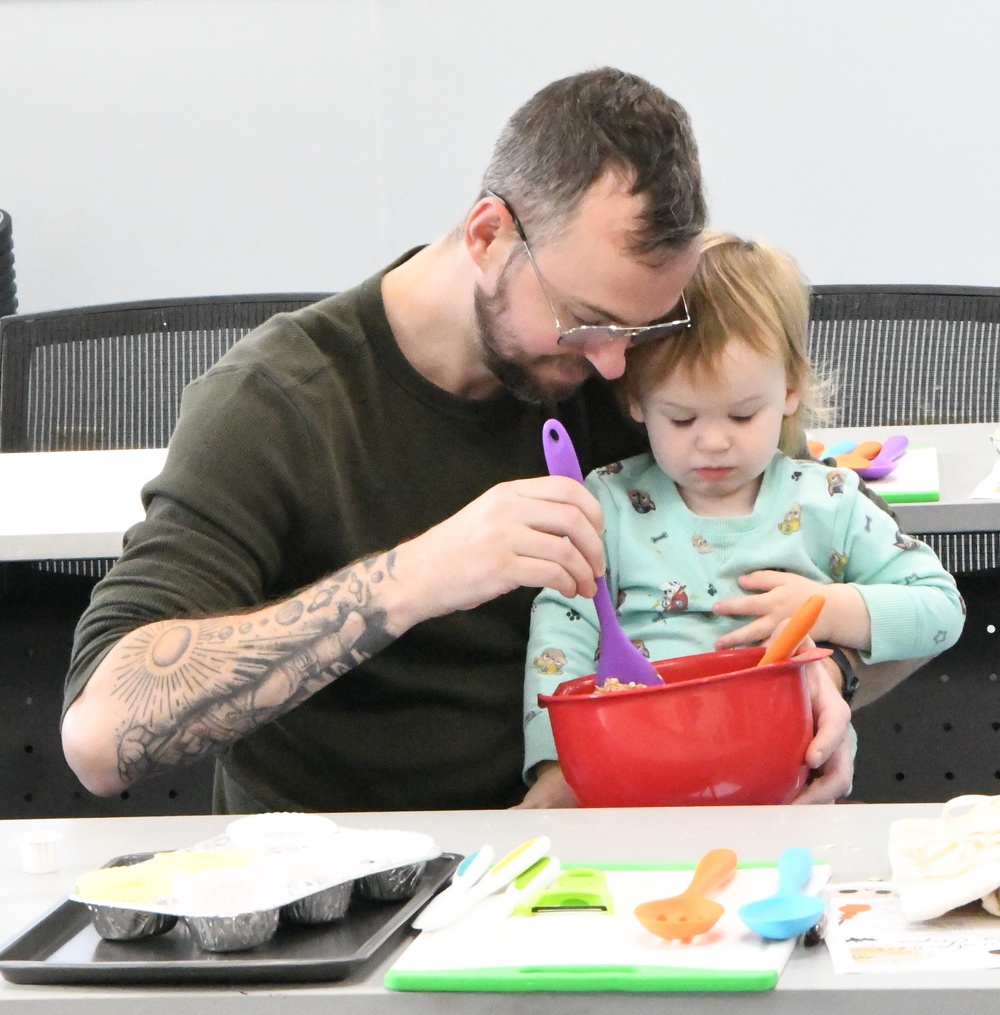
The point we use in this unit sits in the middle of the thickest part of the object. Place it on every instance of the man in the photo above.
(331, 587)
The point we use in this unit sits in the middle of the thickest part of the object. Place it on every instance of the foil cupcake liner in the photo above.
(321, 907)
(393, 884)
(232, 933)
(116, 924)
(281, 830)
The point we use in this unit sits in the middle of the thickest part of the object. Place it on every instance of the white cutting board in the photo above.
(915, 478)
(489, 950)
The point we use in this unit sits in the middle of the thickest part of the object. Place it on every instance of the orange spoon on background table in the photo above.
(685, 916)
(799, 625)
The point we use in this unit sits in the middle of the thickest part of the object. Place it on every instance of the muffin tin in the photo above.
(231, 893)
(62, 946)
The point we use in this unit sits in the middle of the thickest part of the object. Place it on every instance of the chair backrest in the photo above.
(909, 354)
(112, 376)
(93, 378)
(921, 355)
(914, 355)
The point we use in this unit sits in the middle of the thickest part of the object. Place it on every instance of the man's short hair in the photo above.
(577, 129)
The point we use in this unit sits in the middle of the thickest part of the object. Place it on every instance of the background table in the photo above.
(78, 504)
(851, 838)
(965, 456)
(71, 504)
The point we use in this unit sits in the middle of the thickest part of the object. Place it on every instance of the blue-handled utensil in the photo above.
(789, 912)
(467, 874)
(499, 876)
(619, 658)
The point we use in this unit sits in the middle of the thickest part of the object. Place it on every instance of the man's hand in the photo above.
(533, 533)
(550, 789)
(830, 754)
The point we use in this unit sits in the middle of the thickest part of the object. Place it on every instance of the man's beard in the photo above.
(512, 371)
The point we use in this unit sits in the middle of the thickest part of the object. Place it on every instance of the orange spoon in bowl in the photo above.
(685, 916)
(798, 626)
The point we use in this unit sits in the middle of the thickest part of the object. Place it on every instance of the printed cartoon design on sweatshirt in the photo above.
(550, 662)
(835, 482)
(641, 501)
(674, 598)
(700, 543)
(792, 521)
(905, 542)
(611, 469)
(838, 563)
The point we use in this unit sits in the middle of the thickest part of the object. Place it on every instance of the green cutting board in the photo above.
(489, 950)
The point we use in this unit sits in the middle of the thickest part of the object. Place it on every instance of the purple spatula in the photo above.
(619, 658)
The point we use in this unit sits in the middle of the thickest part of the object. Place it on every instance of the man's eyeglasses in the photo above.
(594, 336)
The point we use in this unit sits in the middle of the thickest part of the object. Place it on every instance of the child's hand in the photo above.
(778, 595)
(550, 789)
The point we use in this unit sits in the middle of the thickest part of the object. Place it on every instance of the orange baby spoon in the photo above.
(683, 917)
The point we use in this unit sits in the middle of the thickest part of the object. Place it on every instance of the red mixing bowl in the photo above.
(721, 730)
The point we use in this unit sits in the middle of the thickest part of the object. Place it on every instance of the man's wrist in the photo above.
(848, 677)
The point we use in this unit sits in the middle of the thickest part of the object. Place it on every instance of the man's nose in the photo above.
(609, 359)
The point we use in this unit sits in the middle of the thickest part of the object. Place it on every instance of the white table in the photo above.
(78, 504)
(851, 838)
(71, 504)
(965, 456)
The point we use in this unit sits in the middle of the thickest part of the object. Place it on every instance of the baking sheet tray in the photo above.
(62, 947)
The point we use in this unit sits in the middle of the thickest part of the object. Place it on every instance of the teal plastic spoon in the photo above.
(789, 912)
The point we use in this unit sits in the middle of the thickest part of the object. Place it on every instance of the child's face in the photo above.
(713, 434)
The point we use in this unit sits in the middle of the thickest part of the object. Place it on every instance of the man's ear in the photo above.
(486, 234)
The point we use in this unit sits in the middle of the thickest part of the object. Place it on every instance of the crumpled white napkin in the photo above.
(939, 864)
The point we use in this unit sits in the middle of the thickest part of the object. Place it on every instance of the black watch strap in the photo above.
(849, 679)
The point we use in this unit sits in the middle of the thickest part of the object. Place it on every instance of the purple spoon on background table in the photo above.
(619, 658)
(893, 448)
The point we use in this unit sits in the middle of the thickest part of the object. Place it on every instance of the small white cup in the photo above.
(39, 850)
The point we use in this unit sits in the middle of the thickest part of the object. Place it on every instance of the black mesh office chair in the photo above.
(86, 379)
(913, 355)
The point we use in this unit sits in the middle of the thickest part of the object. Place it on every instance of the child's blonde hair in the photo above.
(743, 290)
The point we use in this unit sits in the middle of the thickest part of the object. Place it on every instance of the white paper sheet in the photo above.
(988, 488)
(866, 932)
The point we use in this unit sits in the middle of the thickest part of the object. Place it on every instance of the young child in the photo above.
(718, 523)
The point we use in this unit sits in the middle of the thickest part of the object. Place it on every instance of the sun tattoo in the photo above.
(191, 687)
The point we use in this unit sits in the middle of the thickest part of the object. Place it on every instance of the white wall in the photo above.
(171, 147)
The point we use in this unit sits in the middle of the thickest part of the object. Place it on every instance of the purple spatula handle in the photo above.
(560, 455)
(619, 657)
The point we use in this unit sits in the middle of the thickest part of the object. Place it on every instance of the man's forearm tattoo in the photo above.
(193, 687)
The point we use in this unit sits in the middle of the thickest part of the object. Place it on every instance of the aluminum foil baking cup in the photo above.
(320, 907)
(393, 884)
(116, 923)
(233, 933)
